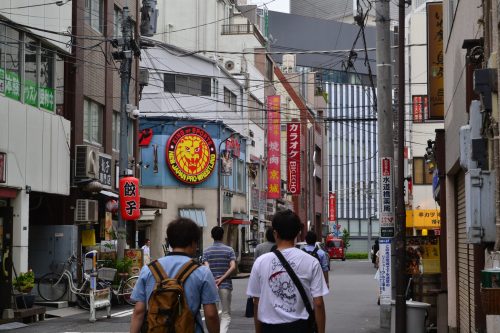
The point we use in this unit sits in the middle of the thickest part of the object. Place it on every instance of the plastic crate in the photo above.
(106, 273)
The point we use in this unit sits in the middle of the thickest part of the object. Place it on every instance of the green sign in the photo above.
(12, 87)
(30, 93)
(47, 98)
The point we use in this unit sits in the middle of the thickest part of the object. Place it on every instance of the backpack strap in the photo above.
(186, 270)
(158, 272)
(315, 251)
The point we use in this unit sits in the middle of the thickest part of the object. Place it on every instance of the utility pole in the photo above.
(385, 144)
(400, 245)
(125, 73)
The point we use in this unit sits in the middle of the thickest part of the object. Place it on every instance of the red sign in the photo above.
(191, 155)
(3, 167)
(293, 156)
(332, 207)
(273, 148)
(386, 167)
(145, 137)
(234, 146)
(129, 198)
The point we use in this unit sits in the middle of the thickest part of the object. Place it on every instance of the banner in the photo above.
(387, 220)
(273, 148)
(435, 60)
(293, 155)
(384, 271)
(226, 163)
(332, 207)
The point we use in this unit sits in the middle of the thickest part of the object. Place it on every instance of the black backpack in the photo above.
(314, 253)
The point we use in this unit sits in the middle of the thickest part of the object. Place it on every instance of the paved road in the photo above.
(351, 307)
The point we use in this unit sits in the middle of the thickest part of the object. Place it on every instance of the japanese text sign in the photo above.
(385, 282)
(273, 148)
(129, 198)
(387, 220)
(332, 207)
(293, 155)
(105, 170)
(435, 59)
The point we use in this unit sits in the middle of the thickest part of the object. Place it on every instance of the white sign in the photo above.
(384, 267)
(387, 220)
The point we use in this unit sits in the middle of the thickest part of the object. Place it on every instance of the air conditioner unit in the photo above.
(86, 162)
(232, 66)
(86, 211)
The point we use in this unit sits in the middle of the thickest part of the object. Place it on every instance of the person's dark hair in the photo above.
(146, 240)
(270, 235)
(287, 224)
(311, 238)
(217, 233)
(182, 232)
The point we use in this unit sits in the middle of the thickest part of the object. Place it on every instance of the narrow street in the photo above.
(351, 307)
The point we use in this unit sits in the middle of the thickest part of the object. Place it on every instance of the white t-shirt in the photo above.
(145, 250)
(280, 301)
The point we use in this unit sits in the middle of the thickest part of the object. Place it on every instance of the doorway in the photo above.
(5, 256)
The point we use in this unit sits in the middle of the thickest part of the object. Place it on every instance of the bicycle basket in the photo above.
(105, 273)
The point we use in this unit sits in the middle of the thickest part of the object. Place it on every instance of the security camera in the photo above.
(135, 113)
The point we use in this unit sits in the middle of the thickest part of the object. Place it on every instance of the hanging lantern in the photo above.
(129, 198)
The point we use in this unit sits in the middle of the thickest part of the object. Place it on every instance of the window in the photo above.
(31, 48)
(116, 133)
(317, 155)
(226, 204)
(47, 79)
(188, 85)
(420, 108)
(318, 183)
(94, 14)
(256, 111)
(230, 99)
(12, 59)
(117, 20)
(421, 174)
(92, 122)
(239, 175)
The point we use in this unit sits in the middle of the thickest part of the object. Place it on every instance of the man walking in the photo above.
(278, 304)
(323, 257)
(267, 245)
(199, 287)
(222, 262)
(146, 250)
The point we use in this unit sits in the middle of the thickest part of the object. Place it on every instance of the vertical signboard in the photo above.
(332, 207)
(384, 271)
(273, 148)
(105, 170)
(386, 182)
(129, 198)
(435, 60)
(293, 156)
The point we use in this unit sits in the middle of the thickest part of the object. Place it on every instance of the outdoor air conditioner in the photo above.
(232, 66)
(86, 162)
(86, 211)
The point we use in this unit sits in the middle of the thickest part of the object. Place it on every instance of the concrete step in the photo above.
(57, 305)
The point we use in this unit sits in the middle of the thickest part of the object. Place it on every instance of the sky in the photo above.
(275, 5)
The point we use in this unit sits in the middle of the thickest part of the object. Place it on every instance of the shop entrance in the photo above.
(5, 256)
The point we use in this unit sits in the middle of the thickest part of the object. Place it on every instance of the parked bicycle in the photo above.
(125, 287)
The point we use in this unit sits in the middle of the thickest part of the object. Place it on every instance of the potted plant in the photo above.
(123, 266)
(24, 283)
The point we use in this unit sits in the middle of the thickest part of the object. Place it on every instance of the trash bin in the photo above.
(416, 314)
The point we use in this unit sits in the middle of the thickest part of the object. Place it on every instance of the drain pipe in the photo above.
(496, 162)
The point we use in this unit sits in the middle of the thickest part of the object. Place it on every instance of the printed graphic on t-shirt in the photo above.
(283, 287)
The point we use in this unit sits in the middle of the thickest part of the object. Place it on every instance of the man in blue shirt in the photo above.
(324, 258)
(199, 288)
(222, 262)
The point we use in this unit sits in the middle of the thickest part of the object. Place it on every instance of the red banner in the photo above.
(129, 198)
(273, 148)
(332, 205)
(293, 155)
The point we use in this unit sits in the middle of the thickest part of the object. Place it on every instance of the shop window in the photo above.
(421, 173)
(92, 122)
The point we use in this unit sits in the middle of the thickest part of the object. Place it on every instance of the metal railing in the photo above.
(237, 29)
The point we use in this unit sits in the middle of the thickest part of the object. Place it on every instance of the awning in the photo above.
(109, 194)
(236, 221)
(150, 203)
(149, 214)
(196, 214)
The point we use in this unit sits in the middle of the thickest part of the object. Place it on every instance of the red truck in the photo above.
(335, 247)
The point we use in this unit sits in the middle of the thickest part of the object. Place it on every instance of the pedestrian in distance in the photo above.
(374, 251)
(285, 282)
(267, 246)
(222, 262)
(146, 251)
(318, 253)
(199, 286)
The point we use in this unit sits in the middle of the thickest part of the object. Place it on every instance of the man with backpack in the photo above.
(287, 284)
(317, 253)
(171, 290)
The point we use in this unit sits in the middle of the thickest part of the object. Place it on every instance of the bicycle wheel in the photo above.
(83, 297)
(126, 290)
(50, 289)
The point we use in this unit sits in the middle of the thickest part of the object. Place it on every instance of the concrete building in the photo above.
(35, 132)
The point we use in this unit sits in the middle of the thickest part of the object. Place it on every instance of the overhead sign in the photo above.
(293, 156)
(332, 207)
(273, 148)
(435, 59)
(387, 219)
(423, 218)
(191, 155)
(384, 271)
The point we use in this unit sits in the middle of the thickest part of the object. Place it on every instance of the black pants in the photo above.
(299, 326)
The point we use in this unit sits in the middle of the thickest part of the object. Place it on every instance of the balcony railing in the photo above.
(237, 29)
